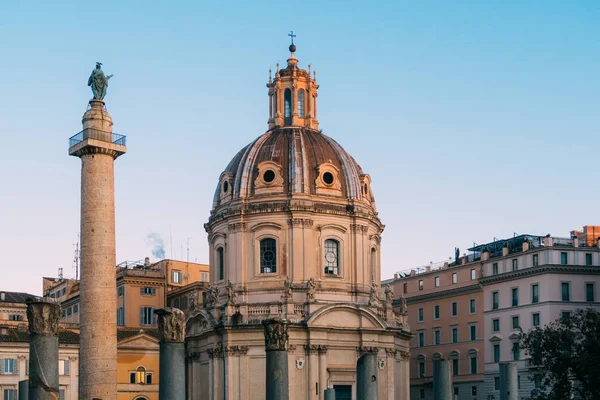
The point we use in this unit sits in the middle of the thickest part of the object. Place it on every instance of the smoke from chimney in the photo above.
(158, 245)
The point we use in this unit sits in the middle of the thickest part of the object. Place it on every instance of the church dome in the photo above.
(293, 161)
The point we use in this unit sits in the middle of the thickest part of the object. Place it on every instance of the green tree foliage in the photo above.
(565, 354)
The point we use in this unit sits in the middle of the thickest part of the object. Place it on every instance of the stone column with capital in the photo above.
(366, 374)
(442, 380)
(43, 316)
(276, 347)
(171, 330)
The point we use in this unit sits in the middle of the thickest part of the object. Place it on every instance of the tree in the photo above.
(565, 355)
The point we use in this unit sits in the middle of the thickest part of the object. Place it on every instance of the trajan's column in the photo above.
(97, 147)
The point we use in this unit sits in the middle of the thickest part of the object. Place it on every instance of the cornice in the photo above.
(539, 270)
(441, 294)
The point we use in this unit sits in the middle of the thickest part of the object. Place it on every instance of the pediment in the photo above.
(142, 342)
(346, 317)
(495, 338)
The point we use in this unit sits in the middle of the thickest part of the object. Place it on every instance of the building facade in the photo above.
(530, 281)
(295, 238)
(446, 316)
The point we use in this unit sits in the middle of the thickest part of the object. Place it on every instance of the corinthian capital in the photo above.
(276, 334)
(171, 324)
(43, 316)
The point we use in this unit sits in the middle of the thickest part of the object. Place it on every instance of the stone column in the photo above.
(98, 150)
(442, 380)
(24, 390)
(276, 347)
(43, 316)
(171, 331)
(322, 371)
(366, 375)
(509, 387)
(329, 394)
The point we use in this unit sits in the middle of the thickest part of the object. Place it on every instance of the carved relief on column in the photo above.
(390, 352)
(171, 324)
(276, 334)
(43, 316)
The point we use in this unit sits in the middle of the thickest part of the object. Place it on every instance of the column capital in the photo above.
(171, 324)
(276, 334)
(43, 316)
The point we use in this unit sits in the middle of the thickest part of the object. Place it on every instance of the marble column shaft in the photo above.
(276, 347)
(366, 377)
(43, 316)
(24, 390)
(509, 376)
(171, 329)
(442, 380)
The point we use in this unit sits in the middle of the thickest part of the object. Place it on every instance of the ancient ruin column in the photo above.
(366, 375)
(442, 380)
(97, 147)
(509, 387)
(171, 331)
(276, 347)
(24, 390)
(43, 316)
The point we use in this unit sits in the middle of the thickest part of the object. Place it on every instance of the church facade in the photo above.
(294, 238)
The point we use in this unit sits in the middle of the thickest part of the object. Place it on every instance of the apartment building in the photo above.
(445, 304)
(530, 281)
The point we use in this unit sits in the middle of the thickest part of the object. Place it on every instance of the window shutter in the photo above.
(141, 315)
(27, 367)
(2, 365)
(67, 362)
(141, 290)
(153, 291)
(153, 316)
(16, 364)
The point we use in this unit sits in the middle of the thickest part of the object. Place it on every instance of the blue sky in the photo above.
(474, 119)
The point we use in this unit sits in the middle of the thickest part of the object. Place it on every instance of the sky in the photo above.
(475, 120)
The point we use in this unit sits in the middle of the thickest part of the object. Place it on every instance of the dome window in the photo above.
(221, 263)
(287, 106)
(328, 178)
(332, 257)
(301, 103)
(268, 256)
(269, 176)
(225, 186)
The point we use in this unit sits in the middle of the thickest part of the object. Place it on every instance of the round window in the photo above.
(269, 176)
(328, 178)
(225, 186)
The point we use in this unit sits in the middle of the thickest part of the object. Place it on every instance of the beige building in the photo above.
(13, 310)
(294, 235)
(445, 304)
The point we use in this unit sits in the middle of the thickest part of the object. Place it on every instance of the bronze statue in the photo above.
(98, 82)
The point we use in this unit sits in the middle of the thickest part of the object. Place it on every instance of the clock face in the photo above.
(330, 256)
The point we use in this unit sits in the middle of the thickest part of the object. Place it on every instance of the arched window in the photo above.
(140, 375)
(287, 107)
(373, 261)
(421, 366)
(454, 356)
(301, 103)
(268, 256)
(275, 103)
(221, 263)
(332, 257)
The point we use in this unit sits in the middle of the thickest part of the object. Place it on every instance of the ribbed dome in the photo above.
(293, 160)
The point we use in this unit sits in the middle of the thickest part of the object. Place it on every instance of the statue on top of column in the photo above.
(98, 82)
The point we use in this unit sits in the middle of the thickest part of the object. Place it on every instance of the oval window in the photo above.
(328, 178)
(269, 176)
(225, 186)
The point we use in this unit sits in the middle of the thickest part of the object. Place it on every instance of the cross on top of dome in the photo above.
(292, 46)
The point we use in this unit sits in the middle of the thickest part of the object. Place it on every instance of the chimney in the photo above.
(548, 241)
(147, 262)
(598, 242)
(505, 251)
(428, 269)
(463, 260)
(525, 245)
(395, 276)
(485, 255)
(575, 241)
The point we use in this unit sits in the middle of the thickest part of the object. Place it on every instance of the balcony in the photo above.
(97, 134)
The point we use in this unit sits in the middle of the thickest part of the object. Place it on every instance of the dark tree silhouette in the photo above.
(565, 355)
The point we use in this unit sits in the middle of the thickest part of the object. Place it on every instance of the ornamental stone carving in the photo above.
(231, 294)
(404, 355)
(43, 316)
(367, 349)
(310, 290)
(194, 306)
(212, 296)
(236, 350)
(389, 297)
(216, 351)
(315, 349)
(373, 295)
(403, 306)
(276, 335)
(171, 324)
(237, 227)
(287, 290)
(391, 352)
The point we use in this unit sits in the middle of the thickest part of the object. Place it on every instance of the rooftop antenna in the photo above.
(60, 274)
(188, 249)
(171, 240)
